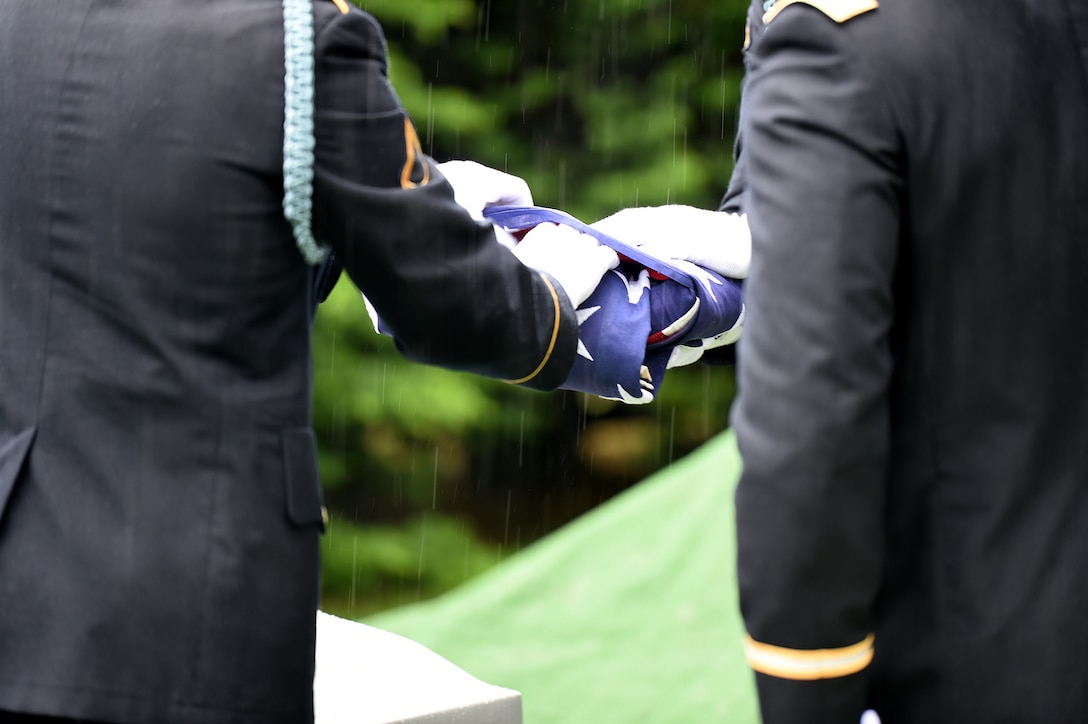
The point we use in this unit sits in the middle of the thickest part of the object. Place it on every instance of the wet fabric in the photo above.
(641, 311)
(633, 322)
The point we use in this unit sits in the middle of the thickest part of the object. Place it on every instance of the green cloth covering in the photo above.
(628, 614)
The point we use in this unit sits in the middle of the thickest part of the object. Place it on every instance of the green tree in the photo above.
(432, 475)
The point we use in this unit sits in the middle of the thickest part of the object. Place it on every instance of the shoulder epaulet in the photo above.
(838, 10)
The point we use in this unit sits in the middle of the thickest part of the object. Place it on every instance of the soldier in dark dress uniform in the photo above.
(160, 509)
(913, 412)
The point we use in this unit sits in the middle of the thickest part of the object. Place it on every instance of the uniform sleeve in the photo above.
(823, 201)
(449, 293)
(734, 200)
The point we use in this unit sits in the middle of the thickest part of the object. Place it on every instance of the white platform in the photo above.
(368, 676)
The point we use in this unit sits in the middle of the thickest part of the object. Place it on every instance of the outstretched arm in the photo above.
(450, 295)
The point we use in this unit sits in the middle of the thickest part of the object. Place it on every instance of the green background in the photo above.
(433, 477)
(628, 614)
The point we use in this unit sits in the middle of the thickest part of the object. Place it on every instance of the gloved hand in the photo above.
(869, 717)
(714, 240)
(576, 260)
(690, 352)
(476, 187)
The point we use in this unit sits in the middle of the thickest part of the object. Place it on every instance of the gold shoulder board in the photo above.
(838, 10)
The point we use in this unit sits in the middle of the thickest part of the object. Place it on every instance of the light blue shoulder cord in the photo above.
(298, 126)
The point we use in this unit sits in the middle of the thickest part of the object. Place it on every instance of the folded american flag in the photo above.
(647, 315)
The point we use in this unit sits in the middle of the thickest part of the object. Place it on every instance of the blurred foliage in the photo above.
(375, 566)
(432, 476)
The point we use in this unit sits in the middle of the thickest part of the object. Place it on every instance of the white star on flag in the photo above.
(583, 315)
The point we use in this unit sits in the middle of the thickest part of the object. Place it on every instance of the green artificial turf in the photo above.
(628, 614)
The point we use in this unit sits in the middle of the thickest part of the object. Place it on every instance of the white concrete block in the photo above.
(368, 676)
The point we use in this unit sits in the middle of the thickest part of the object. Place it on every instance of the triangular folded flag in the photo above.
(645, 316)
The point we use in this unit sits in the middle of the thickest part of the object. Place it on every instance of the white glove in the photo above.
(576, 260)
(714, 240)
(869, 717)
(691, 352)
(475, 187)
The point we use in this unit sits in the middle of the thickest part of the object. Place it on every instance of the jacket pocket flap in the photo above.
(305, 502)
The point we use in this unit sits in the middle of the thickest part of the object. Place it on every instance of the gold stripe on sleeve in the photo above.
(413, 150)
(808, 664)
(344, 7)
(551, 344)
